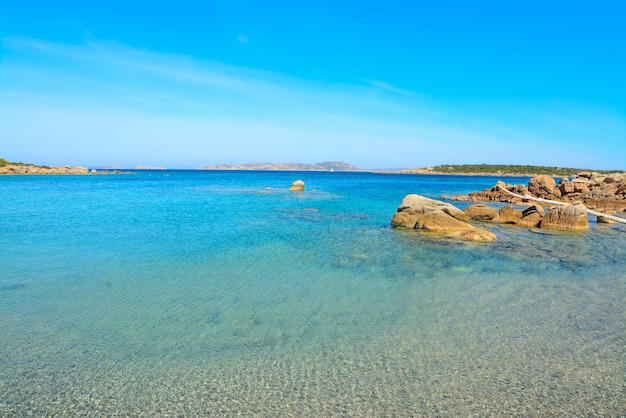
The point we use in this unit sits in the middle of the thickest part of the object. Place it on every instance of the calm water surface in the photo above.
(222, 293)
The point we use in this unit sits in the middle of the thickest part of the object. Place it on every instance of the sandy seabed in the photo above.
(445, 369)
(106, 314)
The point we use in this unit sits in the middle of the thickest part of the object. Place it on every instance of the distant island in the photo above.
(325, 166)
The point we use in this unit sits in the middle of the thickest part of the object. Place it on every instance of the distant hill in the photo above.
(324, 166)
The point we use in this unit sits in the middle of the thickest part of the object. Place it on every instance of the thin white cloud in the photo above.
(383, 85)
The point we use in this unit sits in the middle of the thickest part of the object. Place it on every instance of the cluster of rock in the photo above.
(34, 169)
(606, 193)
(422, 213)
(572, 217)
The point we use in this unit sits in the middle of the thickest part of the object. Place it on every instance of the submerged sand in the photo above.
(565, 359)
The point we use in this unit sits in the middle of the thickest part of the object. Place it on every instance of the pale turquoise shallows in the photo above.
(193, 293)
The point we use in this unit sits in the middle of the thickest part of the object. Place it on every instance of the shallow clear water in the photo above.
(222, 293)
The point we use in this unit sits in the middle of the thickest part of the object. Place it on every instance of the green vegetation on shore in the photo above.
(4, 163)
(510, 169)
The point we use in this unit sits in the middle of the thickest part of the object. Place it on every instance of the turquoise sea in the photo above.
(221, 293)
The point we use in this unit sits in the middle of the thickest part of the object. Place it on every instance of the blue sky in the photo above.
(375, 84)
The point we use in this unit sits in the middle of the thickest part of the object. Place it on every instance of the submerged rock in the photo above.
(419, 212)
(478, 235)
(604, 220)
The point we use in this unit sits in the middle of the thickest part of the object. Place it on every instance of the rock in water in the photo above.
(414, 203)
(542, 186)
(404, 220)
(481, 212)
(419, 212)
(571, 217)
(439, 221)
(603, 220)
(531, 216)
(297, 186)
(508, 215)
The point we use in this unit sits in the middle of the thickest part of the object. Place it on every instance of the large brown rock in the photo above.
(566, 187)
(419, 204)
(534, 209)
(440, 221)
(581, 188)
(404, 219)
(571, 217)
(541, 186)
(508, 215)
(419, 212)
(531, 216)
(533, 220)
(614, 178)
(481, 212)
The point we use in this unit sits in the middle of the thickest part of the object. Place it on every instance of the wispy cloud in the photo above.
(383, 85)
(106, 103)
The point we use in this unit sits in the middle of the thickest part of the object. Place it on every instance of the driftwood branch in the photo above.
(554, 202)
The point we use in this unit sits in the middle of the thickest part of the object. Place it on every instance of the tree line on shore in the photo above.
(511, 169)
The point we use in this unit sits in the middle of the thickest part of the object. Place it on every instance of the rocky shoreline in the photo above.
(605, 193)
(567, 205)
(26, 169)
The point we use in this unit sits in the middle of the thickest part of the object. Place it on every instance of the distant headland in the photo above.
(19, 168)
